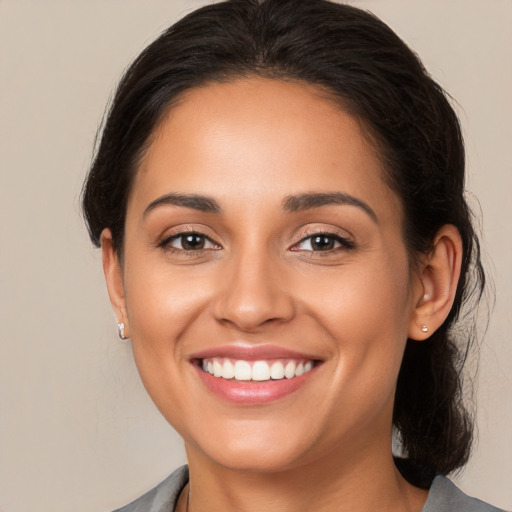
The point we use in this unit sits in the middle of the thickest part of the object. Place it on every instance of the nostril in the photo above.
(253, 293)
(254, 312)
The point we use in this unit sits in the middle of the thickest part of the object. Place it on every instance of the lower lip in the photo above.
(252, 392)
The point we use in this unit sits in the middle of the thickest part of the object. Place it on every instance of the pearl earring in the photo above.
(424, 328)
(120, 331)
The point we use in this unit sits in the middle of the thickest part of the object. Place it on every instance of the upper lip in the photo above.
(252, 353)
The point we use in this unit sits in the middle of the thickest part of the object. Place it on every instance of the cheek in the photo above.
(163, 308)
(162, 302)
(163, 305)
(363, 299)
(365, 320)
(366, 310)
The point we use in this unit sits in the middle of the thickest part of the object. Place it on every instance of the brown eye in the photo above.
(189, 242)
(192, 242)
(323, 242)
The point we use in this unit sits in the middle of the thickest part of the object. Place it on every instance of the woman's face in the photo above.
(262, 242)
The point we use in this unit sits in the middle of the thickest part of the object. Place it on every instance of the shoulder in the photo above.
(444, 496)
(161, 498)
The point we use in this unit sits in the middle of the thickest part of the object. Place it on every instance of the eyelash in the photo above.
(166, 243)
(344, 243)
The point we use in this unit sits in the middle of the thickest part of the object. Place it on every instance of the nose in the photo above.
(253, 294)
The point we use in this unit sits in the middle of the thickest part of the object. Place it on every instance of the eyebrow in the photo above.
(294, 203)
(301, 202)
(194, 201)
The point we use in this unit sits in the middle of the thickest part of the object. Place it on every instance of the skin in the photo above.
(249, 145)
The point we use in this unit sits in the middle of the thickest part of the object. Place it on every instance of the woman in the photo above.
(279, 197)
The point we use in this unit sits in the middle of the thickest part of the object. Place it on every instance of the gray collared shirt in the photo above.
(443, 496)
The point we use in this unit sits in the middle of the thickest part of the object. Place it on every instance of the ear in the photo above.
(114, 278)
(438, 277)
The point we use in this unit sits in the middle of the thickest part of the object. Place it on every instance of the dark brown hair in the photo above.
(370, 72)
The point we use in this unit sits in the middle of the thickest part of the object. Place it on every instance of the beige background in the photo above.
(77, 432)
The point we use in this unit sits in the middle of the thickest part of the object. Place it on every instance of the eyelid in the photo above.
(346, 242)
(183, 231)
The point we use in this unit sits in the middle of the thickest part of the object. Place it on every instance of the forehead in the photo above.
(260, 137)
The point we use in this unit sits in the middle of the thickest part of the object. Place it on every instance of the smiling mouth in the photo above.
(258, 370)
(248, 375)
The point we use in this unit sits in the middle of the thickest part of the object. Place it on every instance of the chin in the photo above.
(258, 451)
(255, 459)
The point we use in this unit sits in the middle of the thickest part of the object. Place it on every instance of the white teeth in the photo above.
(217, 369)
(228, 370)
(260, 371)
(277, 370)
(289, 370)
(255, 370)
(242, 370)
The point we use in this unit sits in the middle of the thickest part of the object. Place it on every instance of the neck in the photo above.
(337, 482)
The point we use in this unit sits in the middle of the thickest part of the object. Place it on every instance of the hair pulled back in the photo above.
(364, 67)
